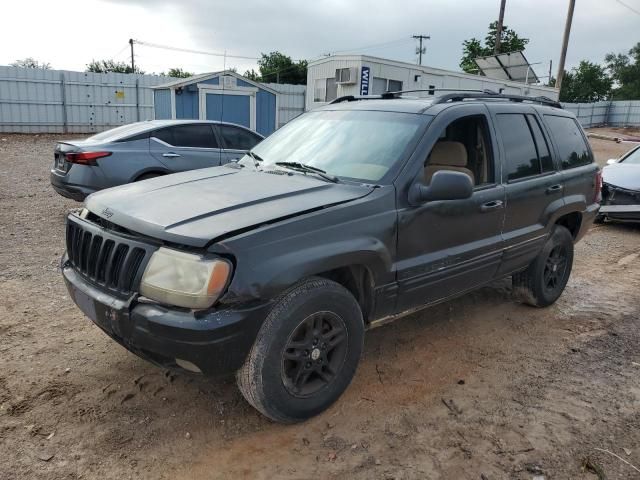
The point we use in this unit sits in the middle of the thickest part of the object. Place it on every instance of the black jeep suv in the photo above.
(347, 217)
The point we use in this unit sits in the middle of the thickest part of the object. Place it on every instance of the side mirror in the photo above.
(611, 161)
(445, 185)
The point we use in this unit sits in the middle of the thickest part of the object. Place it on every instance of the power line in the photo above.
(187, 50)
(637, 12)
(369, 47)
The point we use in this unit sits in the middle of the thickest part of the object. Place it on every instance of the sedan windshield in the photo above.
(632, 158)
(359, 144)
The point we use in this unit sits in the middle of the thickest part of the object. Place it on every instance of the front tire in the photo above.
(306, 352)
(542, 283)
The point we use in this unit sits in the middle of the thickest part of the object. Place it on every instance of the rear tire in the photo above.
(306, 352)
(544, 280)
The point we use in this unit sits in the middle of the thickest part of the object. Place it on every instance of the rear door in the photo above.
(236, 141)
(533, 185)
(186, 147)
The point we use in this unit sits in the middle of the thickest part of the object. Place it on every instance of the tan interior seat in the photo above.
(447, 156)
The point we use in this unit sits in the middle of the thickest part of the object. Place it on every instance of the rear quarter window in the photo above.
(572, 146)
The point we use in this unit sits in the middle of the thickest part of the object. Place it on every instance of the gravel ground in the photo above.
(477, 386)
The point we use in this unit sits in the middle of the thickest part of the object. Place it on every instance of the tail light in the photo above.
(597, 194)
(85, 158)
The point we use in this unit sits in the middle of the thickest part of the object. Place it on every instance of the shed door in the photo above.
(229, 108)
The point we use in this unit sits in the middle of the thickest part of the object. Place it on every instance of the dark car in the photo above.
(350, 216)
(144, 150)
(621, 188)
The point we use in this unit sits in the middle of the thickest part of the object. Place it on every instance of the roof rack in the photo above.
(454, 97)
(396, 94)
(458, 96)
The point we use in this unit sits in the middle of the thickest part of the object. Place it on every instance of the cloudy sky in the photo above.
(69, 33)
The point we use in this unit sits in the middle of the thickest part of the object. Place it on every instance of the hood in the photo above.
(623, 176)
(196, 207)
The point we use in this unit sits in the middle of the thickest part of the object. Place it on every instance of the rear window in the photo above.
(118, 133)
(568, 136)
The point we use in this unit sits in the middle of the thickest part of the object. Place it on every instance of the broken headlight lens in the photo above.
(184, 279)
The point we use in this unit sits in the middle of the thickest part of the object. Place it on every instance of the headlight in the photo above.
(183, 279)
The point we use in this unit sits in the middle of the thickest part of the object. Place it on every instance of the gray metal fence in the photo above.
(291, 101)
(58, 101)
(619, 113)
(61, 101)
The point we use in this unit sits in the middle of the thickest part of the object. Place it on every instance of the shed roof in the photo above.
(181, 82)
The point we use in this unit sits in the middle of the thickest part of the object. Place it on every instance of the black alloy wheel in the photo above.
(314, 353)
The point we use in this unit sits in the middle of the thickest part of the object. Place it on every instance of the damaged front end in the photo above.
(620, 204)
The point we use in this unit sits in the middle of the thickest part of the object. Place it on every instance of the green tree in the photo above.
(625, 72)
(588, 82)
(277, 67)
(179, 73)
(510, 41)
(104, 66)
(31, 62)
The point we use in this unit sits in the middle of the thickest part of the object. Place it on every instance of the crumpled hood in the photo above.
(195, 207)
(623, 176)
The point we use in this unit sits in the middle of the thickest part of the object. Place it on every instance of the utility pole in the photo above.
(133, 63)
(421, 50)
(496, 49)
(565, 43)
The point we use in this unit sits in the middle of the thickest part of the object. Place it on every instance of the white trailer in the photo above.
(340, 75)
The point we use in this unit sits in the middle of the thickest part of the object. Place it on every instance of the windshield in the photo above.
(363, 145)
(632, 158)
(120, 132)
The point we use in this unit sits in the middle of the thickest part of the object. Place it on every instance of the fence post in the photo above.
(63, 96)
(578, 115)
(628, 115)
(137, 100)
(593, 106)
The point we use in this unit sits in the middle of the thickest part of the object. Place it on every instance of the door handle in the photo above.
(492, 205)
(170, 155)
(555, 188)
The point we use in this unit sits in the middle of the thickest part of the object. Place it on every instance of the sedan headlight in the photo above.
(184, 279)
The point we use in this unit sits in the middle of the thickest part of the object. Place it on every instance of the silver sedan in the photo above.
(143, 150)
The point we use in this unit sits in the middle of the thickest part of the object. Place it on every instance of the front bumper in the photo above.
(216, 341)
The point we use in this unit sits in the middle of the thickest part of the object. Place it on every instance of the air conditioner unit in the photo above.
(346, 76)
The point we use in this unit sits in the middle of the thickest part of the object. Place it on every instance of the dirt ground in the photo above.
(479, 388)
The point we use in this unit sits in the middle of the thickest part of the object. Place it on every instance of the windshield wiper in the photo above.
(301, 167)
(255, 156)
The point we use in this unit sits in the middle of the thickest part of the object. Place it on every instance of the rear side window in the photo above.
(237, 138)
(546, 160)
(520, 150)
(196, 136)
(199, 136)
(572, 146)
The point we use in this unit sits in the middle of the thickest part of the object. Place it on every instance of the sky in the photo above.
(68, 34)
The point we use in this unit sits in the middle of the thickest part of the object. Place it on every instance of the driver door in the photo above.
(449, 246)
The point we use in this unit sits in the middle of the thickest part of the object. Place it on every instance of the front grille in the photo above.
(108, 260)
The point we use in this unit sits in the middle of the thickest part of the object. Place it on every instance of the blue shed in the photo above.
(224, 96)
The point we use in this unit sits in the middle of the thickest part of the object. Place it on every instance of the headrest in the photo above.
(451, 154)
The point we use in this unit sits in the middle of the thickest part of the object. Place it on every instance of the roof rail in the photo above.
(388, 95)
(453, 97)
(353, 98)
(458, 95)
